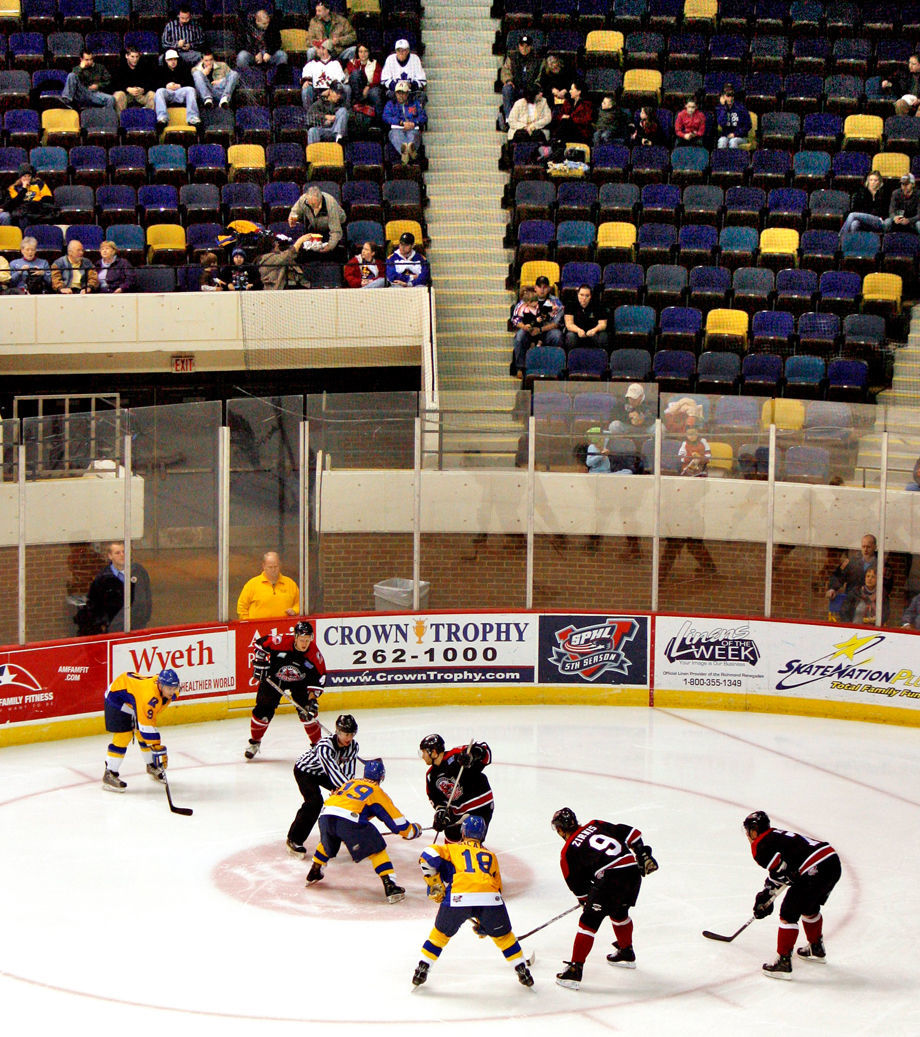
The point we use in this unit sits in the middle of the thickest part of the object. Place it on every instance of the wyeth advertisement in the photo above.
(792, 660)
(204, 659)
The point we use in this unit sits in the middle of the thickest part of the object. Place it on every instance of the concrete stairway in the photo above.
(466, 223)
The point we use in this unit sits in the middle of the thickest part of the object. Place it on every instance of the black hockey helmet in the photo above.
(564, 820)
(756, 822)
(347, 724)
(433, 744)
(303, 626)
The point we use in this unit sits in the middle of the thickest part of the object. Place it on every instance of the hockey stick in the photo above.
(738, 932)
(555, 918)
(184, 811)
(455, 788)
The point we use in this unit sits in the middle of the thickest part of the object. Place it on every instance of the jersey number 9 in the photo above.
(606, 844)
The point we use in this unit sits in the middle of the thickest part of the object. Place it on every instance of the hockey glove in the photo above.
(763, 903)
(645, 860)
(441, 819)
(260, 660)
(436, 890)
(473, 756)
(308, 712)
(413, 831)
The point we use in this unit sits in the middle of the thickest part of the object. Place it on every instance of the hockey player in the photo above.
(810, 869)
(346, 818)
(132, 705)
(452, 793)
(294, 665)
(326, 765)
(465, 880)
(602, 864)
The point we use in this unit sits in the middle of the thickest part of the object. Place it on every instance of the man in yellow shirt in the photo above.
(269, 595)
(465, 880)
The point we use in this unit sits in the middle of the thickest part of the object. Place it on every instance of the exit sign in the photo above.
(183, 363)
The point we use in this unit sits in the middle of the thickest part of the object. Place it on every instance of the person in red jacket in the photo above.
(365, 269)
(572, 119)
(690, 125)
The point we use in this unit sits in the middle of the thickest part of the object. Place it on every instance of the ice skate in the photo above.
(570, 977)
(157, 773)
(252, 750)
(625, 957)
(314, 874)
(523, 974)
(392, 892)
(295, 849)
(780, 969)
(813, 952)
(420, 974)
(112, 783)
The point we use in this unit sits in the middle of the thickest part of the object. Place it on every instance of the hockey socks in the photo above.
(623, 931)
(786, 936)
(584, 941)
(813, 926)
(257, 728)
(509, 946)
(314, 731)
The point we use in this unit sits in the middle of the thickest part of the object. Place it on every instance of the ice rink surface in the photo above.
(118, 916)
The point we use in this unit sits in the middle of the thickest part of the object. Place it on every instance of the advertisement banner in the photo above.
(204, 658)
(596, 649)
(463, 648)
(52, 681)
(712, 654)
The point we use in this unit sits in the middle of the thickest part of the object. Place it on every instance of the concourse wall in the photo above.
(55, 690)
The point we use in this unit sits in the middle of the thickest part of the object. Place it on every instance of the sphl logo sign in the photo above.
(721, 644)
(594, 650)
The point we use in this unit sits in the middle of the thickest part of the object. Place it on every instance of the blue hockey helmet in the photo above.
(473, 827)
(168, 679)
(374, 770)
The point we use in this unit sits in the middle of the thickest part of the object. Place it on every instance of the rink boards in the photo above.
(55, 690)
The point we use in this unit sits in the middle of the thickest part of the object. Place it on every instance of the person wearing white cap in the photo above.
(175, 86)
(632, 415)
(319, 74)
(904, 207)
(402, 66)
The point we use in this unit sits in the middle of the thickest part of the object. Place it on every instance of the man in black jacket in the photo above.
(905, 87)
(519, 72)
(904, 207)
(175, 86)
(134, 84)
(106, 594)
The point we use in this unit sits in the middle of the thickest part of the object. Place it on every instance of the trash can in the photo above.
(395, 594)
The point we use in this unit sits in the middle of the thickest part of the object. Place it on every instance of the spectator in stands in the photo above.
(402, 66)
(113, 272)
(911, 617)
(318, 73)
(106, 598)
(571, 120)
(28, 200)
(270, 595)
(838, 603)
(870, 207)
(333, 31)
(864, 601)
(175, 86)
(29, 274)
(407, 268)
(365, 269)
(320, 214)
(632, 415)
(585, 323)
(73, 273)
(275, 266)
(733, 121)
(4, 275)
(903, 209)
(364, 72)
(214, 80)
(327, 117)
(648, 130)
(134, 83)
(690, 124)
(239, 275)
(694, 454)
(210, 274)
(405, 116)
(596, 457)
(529, 118)
(554, 80)
(915, 485)
(88, 85)
(519, 72)
(183, 34)
(263, 42)
(905, 86)
(545, 327)
(611, 126)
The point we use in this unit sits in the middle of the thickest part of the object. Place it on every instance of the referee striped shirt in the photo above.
(328, 759)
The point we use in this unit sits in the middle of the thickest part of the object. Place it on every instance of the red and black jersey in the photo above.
(286, 666)
(474, 792)
(594, 850)
(788, 856)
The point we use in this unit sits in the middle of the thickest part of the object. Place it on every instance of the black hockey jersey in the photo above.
(289, 668)
(596, 849)
(474, 792)
(788, 855)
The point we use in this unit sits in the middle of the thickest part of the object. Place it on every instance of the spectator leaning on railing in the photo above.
(73, 274)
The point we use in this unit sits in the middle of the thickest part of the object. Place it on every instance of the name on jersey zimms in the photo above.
(196, 653)
(438, 632)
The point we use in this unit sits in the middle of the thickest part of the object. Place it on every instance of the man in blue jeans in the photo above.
(903, 210)
(87, 85)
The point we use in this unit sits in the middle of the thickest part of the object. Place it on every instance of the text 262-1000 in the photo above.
(448, 654)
